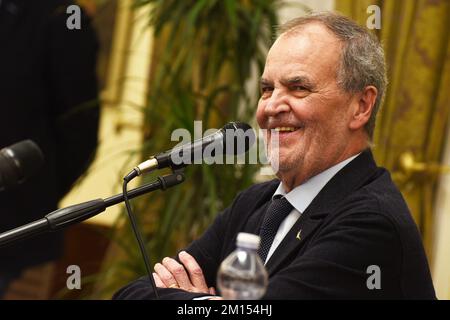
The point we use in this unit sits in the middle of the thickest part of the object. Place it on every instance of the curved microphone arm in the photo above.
(64, 217)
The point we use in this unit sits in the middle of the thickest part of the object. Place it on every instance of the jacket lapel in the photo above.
(350, 178)
(294, 239)
(249, 215)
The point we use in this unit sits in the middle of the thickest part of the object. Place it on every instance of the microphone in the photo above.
(233, 139)
(19, 162)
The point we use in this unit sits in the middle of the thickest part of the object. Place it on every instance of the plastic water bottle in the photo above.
(242, 275)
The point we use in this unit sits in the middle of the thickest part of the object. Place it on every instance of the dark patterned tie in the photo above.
(278, 209)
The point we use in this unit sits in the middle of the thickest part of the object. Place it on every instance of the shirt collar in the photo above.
(301, 196)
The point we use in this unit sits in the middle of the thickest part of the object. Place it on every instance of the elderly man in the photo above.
(322, 85)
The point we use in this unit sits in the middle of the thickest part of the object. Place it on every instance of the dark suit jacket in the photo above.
(47, 72)
(357, 220)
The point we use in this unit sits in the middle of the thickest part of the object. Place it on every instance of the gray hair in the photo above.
(362, 58)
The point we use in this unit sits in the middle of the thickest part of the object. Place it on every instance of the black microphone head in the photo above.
(238, 137)
(19, 162)
(234, 138)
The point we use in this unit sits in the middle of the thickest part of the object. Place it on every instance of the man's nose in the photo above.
(277, 103)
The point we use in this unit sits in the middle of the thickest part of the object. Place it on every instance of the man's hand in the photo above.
(171, 274)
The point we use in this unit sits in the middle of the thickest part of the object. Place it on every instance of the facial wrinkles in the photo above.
(315, 56)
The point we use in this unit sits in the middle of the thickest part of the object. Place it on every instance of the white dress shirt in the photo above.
(300, 198)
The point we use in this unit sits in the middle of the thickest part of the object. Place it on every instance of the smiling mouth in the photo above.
(286, 129)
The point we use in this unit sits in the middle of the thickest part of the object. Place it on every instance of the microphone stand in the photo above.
(64, 217)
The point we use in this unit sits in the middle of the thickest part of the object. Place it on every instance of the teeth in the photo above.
(290, 129)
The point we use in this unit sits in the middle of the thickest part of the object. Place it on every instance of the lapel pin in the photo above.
(298, 235)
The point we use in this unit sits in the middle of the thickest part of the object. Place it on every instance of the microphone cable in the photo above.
(138, 236)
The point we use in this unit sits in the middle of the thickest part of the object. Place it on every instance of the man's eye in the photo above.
(299, 88)
(266, 89)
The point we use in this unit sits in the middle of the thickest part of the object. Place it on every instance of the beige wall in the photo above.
(293, 9)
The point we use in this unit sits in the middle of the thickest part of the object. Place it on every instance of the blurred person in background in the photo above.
(48, 93)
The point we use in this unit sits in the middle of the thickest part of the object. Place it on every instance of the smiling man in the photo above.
(338, 216)
(318, 121)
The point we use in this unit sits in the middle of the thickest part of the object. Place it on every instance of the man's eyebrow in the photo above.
(264, 81)
(302, 80)
(305, 81)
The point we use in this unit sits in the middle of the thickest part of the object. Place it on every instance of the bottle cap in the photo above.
(248, 240)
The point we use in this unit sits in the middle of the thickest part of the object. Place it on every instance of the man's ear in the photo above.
(362, 108)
